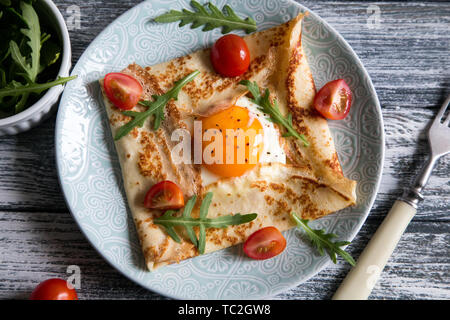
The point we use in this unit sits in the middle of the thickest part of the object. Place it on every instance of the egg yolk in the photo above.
(242, 141)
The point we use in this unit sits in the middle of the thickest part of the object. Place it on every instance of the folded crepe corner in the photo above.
(312, 184)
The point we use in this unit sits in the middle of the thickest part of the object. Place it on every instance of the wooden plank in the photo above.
(407, 58)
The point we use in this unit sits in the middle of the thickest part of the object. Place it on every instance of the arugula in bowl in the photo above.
(29, 57)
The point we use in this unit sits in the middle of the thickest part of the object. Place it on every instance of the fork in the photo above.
(361, 279)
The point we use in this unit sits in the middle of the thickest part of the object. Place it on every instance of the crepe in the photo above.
(311, 183)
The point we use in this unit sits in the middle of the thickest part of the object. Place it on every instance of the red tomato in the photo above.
(122, 90)
(265, 243)
(54, 289)
(334, 100)
(164, 195)
(230, 56)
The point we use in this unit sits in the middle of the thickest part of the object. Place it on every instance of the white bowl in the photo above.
(38, 112)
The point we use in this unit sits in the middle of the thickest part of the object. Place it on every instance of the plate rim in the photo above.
(356, 230)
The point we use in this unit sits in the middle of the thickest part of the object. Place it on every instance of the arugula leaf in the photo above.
(20, 105)
(17, 15)
(322, 241)
(20, 93)
(5, 55)
(45, 37)
(25, 55)
(2, 78)
(16, 89)
(169, 221)
(18, 58)
(155, 107)
(203, 214)
(21, 62)
(33, 32)
(12, 101)
(273, 110)
(226, 19)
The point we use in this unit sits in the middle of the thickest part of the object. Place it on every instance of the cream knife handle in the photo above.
(362, 278)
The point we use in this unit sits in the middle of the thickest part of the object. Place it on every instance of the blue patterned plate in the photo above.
(89, 170)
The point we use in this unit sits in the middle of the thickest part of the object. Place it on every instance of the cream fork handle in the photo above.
(362, 278)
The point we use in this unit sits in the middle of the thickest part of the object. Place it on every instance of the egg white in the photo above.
(273, 151)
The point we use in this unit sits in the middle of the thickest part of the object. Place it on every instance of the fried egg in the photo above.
(236, 139)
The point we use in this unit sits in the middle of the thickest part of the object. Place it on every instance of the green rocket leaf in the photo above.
(213, 18)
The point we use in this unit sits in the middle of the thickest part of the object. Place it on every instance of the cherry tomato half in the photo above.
(265, 243)
(54, 289)
(122, 90)
(334, 100)
(164, 195)
(230, 56)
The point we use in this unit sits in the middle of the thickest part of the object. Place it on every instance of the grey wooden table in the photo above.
(407, 56)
